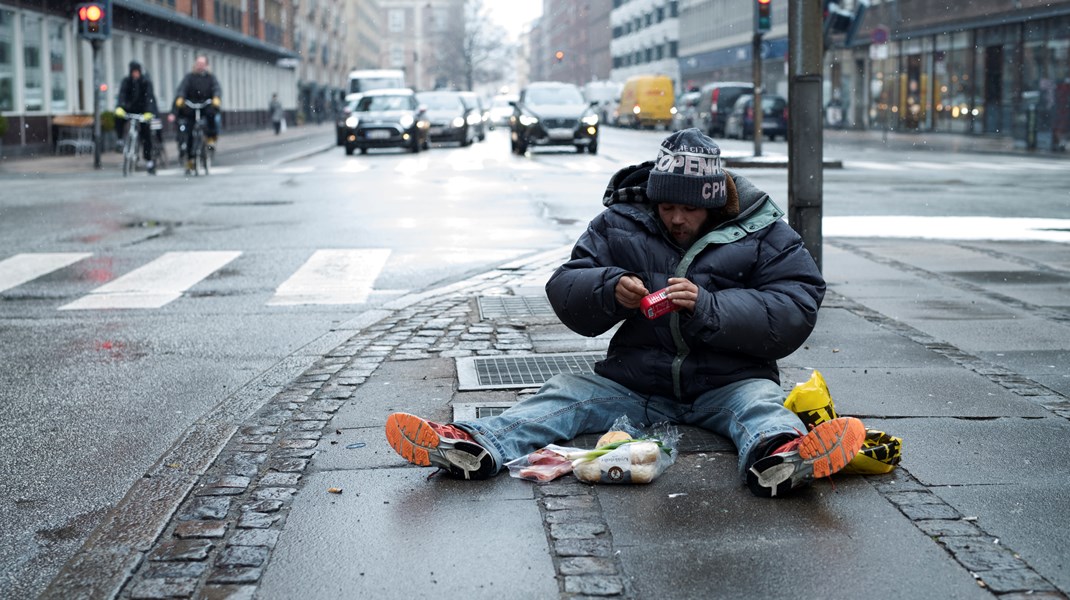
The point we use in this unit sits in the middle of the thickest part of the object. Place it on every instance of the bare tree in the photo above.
(474, 49)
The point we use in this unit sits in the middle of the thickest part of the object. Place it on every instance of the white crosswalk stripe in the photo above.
(333, 277)
(155, 284)
(21, 268)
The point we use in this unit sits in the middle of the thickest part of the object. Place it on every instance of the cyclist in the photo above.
(199, 85)
(136, 97)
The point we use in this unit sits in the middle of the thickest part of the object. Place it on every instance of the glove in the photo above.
(119, 112)
(147, 116)
(215, 101)
(180, 102)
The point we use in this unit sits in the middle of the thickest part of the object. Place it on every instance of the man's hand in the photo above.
(682, 292)
(146, 116)
(630, 290)
(180, 101)
(119, 112)
(215, 101)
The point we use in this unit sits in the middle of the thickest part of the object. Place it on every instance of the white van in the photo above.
(373, 79)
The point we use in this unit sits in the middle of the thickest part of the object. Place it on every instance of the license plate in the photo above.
(435, 131)
(378, 134)
(560, 134)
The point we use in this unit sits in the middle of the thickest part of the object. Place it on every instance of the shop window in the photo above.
(7, 60)
(34, 83)
(57, 66)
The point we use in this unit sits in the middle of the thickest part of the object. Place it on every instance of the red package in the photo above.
(657, 304)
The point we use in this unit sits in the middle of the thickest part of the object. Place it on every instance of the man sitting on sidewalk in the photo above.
(745, 293)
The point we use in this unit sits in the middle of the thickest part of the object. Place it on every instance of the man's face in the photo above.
(685, 223)
(135, 74)
(200, 65)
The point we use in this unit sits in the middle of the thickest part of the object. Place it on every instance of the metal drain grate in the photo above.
(519, 371)
(492, 307)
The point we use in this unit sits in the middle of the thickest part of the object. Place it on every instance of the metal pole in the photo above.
(805, 137)
(756, 52)
(98, 139)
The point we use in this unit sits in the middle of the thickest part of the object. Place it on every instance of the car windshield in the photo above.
(442, 101)
(378, 103)
(554, 95)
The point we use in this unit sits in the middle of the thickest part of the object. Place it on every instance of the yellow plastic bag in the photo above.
(812, 401)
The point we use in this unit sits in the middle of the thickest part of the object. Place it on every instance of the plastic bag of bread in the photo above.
(628, 455)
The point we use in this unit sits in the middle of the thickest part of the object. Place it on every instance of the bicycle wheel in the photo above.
(195, 153)
(206, 157)
(130, 151)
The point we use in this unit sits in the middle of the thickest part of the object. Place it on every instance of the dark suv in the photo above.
(715, 101)
(553, 114)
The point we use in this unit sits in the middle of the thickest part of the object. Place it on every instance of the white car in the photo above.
(500, 109)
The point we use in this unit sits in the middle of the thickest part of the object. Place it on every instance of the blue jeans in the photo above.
(748, 412)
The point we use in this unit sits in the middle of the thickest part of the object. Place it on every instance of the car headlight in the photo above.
(352, 121)
(635, 109)
(672, 111)
(474, 119)
(591, 119)
(457, 122)
(406, 121)
(528, 120)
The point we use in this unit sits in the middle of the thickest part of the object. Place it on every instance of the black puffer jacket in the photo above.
(759, 292)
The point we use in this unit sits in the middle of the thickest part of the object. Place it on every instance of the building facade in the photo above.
(413, 34)
(320, 31)
(645, 37)
(46, 70)
(982, 68)
(576, 48)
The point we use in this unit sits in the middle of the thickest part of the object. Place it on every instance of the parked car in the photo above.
(451, 118)
(481, 119)
(606, 95)
(646, 101)
(550, 113)
(716, 101)
(740, 121)
(387, 118)
(501, 108)
(686, 111)
(340, 124)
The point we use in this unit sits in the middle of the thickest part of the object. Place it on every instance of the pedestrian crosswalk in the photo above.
(326, 277)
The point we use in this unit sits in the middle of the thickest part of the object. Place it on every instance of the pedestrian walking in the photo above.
(275, 108)
(742, 292)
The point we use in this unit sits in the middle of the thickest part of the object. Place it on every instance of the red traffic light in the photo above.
(559, 55)
(90, 12)
(764, 1)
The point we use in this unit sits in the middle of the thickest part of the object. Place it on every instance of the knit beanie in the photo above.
(135, 66)
(688, 171)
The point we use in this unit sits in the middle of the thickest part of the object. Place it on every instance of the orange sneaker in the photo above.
(824, 451)
(426, 443)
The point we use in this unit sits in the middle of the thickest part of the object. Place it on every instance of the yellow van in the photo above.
(646, 101)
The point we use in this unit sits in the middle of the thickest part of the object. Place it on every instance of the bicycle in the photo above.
(197, 149)
(131, 143)
(159, 150)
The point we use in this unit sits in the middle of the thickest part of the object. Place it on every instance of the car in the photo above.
(501, 108)
(340, 124)
(740, 121)
(451, 118)
(686, 111)
(475, 104)
(387, 118)
(550, 113)
(715, 102)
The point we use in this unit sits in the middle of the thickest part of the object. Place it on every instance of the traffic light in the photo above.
(559, 55)
(94, 20)
(763, 16)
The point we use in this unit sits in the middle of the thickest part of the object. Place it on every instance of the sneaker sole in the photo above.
(824, 451)
(832, 444)
(415, 440)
